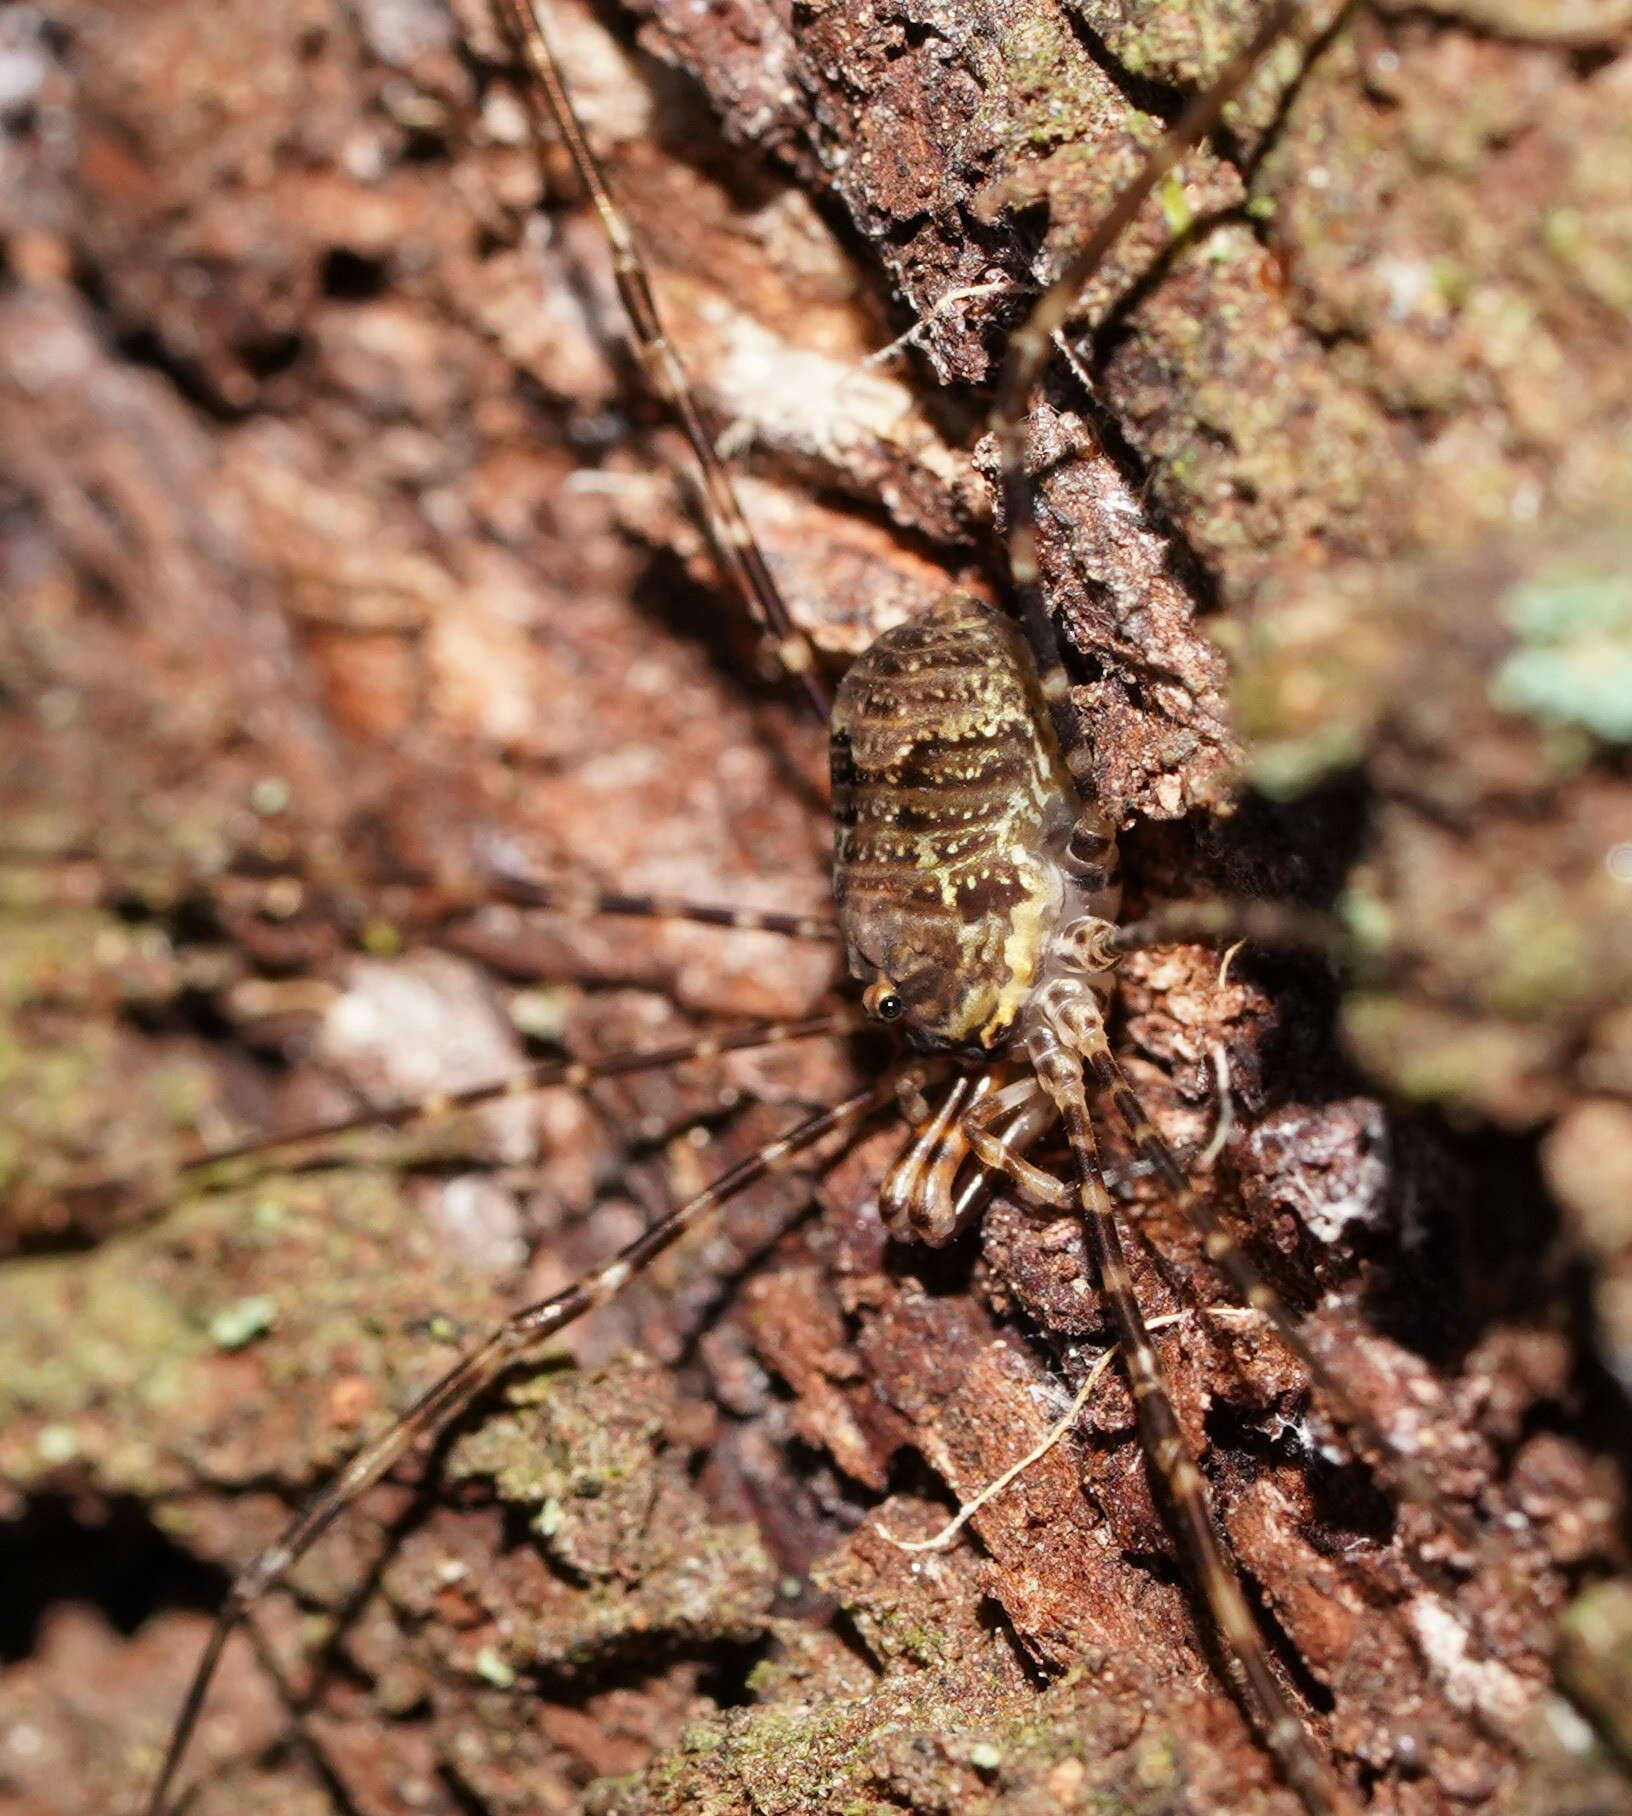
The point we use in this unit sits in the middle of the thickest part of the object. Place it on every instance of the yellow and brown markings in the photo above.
(1148, 1626)
(950, 809)
(1060, 1068)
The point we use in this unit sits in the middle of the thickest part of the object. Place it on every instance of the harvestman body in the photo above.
(976, 887)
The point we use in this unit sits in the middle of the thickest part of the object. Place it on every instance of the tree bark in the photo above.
(340, 542)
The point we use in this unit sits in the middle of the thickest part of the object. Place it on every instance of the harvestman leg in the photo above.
(440, 899)
(475, 1371)
(739, 554)
(587, 903)
(1070, 1028)
(1059, 1063)
(1033, 342)
(1068, 1033)
(744, 563)
(569, 1074)
(1003, 1151)
(1216, 922)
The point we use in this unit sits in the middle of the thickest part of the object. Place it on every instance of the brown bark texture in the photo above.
(337, 537)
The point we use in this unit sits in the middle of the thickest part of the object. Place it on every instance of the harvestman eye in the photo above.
(879, 999)
(1029, 1117)
(961, 723)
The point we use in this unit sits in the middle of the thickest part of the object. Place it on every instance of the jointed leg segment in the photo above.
(1067, 1030)
(520, 1333)
(573, 1074)
(738, 552)
(996, 1124)
(1110, 1082)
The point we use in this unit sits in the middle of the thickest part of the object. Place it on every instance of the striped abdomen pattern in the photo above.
(951, 808)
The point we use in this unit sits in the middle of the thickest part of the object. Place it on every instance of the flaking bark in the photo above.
(335, 526)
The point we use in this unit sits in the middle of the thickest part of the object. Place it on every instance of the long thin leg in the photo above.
(279, 886)
(1069, 1026)
(1093, 842)
(1029, 349)
(1106, 1076)
(571, 1074)
(738, 552)
(1223, 922)
(567, 898)
(475, 1371)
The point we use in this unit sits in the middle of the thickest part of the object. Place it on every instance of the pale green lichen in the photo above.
(1573, 662)
(243, 1321)
(492, 1668)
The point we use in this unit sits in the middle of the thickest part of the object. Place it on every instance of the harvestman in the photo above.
(977, 887)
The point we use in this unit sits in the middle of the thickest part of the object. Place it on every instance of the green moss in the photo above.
(1595, 1658)
(1577, 241)
(1038, 58)
(1370, 920)
(130, 1353)
(942, 1737)
(1176, 209)
(1430, 1064)
(382, 938)
(172, 1323)
(1310, 681)
(1544, 956)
